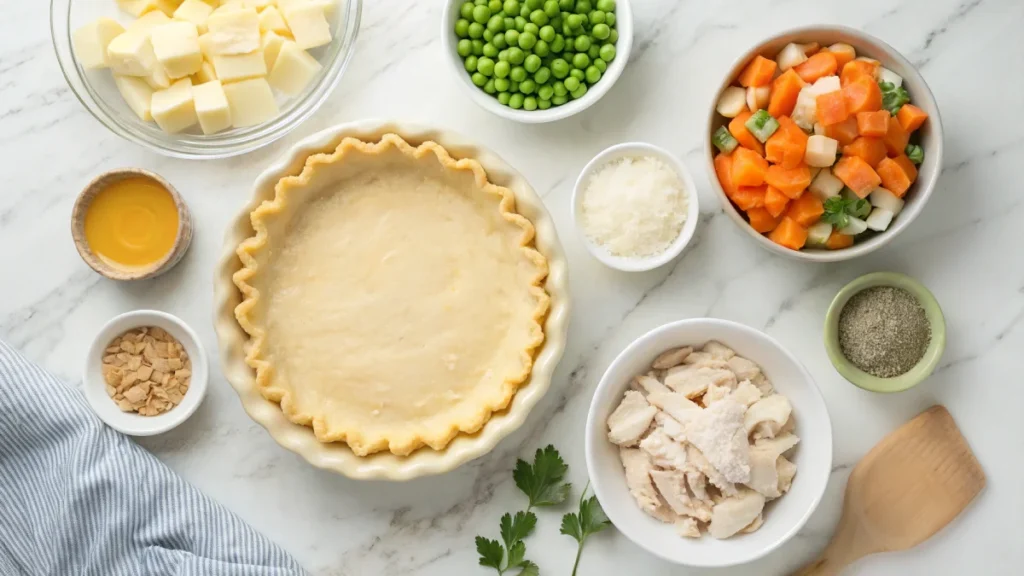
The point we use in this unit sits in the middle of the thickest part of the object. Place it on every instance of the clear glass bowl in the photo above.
(95, 89)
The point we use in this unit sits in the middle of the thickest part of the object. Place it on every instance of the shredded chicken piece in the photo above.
(671, 358)
(718, 433)
(687, 528)
(763, 384)
(670, 426)
(631, 419)
(718, 350)
(651, 385)
(701, 464)
(743, 369)
(755, 524)
(664, 452)
(675, 405)
(764, 476)
(787, 470)
(775, 408)
(697, 482)
(734, 514)
(638, 478)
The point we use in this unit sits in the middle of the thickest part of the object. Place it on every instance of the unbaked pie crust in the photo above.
(393, 296)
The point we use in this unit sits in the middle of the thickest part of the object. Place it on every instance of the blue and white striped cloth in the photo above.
(77, 498)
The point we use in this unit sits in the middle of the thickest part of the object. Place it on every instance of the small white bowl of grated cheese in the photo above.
(635, 206)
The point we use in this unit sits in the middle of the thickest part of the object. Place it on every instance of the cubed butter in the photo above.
(91, 42)
(234, 67)
(271, 45)
(174, 109)
(234, 31)
(230, 5)
(135, 7)
(271, 20)
(251, 102)
(158, 78)
(137, 95)
(258, 4)
(308, 25)
(131, 54)
(166, 6)
(294, 70)
(149, 21)
(212, 107)
(194, 11)
(206, 74)
(176, 46)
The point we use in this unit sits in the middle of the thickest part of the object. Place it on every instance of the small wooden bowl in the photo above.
(181, 241)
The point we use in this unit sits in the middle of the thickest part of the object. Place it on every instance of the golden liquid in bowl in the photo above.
(132, 223)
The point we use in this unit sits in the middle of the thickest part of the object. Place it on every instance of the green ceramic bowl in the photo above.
(931, 356)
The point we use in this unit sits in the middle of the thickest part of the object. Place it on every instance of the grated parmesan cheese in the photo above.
(634, 207)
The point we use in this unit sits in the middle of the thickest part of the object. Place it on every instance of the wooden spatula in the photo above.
(914, 482)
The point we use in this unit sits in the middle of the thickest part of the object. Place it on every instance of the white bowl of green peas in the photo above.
(536, 61)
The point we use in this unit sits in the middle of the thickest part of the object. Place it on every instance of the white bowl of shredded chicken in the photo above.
(707, 443)
(635, 206)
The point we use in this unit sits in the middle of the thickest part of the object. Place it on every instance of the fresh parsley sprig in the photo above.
(893, 97)
(542, 482)
(589, 520)
(838, 210)
(513, 530)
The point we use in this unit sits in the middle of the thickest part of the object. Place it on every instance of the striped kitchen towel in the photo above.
(77, 498)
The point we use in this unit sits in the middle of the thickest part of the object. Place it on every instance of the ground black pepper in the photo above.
(884, 331)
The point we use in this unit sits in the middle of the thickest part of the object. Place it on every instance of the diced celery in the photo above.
(723, 140)
(855, 205)
(915, 153)
(854, 226)
(879, 219)
(818, 234)
(825, 185)
(762, 125)
(883, 198)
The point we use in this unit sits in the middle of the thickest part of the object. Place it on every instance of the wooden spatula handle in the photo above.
(848, 545)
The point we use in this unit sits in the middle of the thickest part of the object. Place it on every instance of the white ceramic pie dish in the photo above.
(384, 465)
(783, 517)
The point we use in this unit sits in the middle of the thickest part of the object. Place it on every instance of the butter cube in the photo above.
(158, 78)
(135, 7)
(234, 67)
(174, 109)
(176, 46)
(326, 5)
(131, 54)
(271, 20)
(230, 5)
(251, 101)
(166, 6)
(137, 95)
(308, 25)
(294, 70)
(234, 31)
(149, 21)
(91, 42)
(212, 107)
(206, 46)
(258, 4)
(206, 74)
(271, 44)
(194, 11)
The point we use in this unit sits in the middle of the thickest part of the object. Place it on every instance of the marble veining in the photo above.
(964, 246)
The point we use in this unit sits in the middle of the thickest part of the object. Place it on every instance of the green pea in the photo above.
(480, 2)
(601, 65)
(596, 17)
(485, 66)
(601, 31)
(593, 74)
(496, 24)
(513, 87)
(545, 92)
(608, 52)
(541, 48)
(556, 23)
(479, 79)
(530, 103)
(502, 84)
(499, 42)
(481, 14)
(512, 37)
(525, 11)
(510, 23)
(511, 7)
(606, 5)
(534, 4)
(574, 21)
(559, 68)
(559, 88)
(542, 75)
(614, 36)
(516, 101)
(470, 63)
(551, 8)
(520, 24)
(582, 43)
(503, 56)
(501, 69)
(464, 48)
(579, 92)
(490, 51)
(503, 97)
(531, 28)
(478, 47)
(488, 35)
(518, 74)
(532, 63)
(539, 18)
(495, 6)
(594, 51)
(558, 44)
(547, 33)
(581, 61)
(571, 84)
(577, 74)
(563, 5)
(476, 30)
(527, 86)
(559, 100)
(489, 87)
(462, 28)
(466, 10)
(583, 6)
(544, 104)
(609, 18)
(516, 56)
(527, 40)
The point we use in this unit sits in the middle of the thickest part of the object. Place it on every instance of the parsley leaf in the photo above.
(515, 529)
(542, 482)
(915, 153)
(589, 520)
(529, 569)
(893, 97)
(491, 553)
(835, 212)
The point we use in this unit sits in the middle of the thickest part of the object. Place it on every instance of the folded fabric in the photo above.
(77, 498)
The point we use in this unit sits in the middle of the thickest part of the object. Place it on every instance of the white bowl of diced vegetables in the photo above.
(825, 183)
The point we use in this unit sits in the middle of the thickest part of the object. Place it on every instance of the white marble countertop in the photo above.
(964, 247)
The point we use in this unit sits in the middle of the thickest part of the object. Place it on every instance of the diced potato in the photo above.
(879, 219)
(790, 56)
(805, 114)
(825, 185)
(886, 75)
(855, 226)
(732, 102)
(757, 97)
(819, 129)
(819, 233)
(885, 199)
(821, 151)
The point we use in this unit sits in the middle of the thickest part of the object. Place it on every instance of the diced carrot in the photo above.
(789, 234)
(748, 168)
(805, 210)
(761, 220)
(874, 124)
(723, 168)
(896, 138)
(831, 108)
(844, 53)
(775, 202)
(812, 48)
(739, 131)
(907, 166)
(843, 132)
(857, 68)
(790, 181)
(857, 174)
(894, 178)
(759, 72)
(871, 150)
(748, 197)
(837, 241)
(787, 145)
(911, 117)
(862, 95)
(818, 66)
(785, 90)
